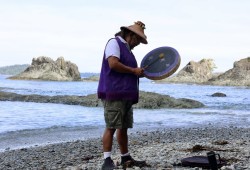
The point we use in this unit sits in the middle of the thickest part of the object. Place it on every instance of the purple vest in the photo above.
(119, 86)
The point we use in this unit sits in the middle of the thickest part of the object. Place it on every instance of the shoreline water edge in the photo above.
(162, 149)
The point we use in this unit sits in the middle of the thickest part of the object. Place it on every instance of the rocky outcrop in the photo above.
(151, 100)
(193, 72)
(147, 100)
(239, 75)
(44, 68)
(218, 94)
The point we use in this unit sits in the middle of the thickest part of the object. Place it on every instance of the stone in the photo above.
(218, 94)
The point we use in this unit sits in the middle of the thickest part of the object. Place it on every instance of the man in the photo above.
(118, 89)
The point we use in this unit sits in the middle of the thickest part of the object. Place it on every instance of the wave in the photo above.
(44, 136)
(48, 130)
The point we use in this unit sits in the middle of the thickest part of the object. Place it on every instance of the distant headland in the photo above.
(13, 69)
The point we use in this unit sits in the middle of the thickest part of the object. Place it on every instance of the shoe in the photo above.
(108, 164)
(128, 162)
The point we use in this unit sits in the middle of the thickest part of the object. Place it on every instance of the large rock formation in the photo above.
(44, 68)
(194, 72)
(239, 75)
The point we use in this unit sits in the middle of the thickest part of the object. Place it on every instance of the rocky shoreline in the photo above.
(148, 100)
(162, 149)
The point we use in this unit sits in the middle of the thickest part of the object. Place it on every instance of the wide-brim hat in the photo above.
(138, 28)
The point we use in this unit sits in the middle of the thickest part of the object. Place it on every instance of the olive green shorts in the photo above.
(118, 114)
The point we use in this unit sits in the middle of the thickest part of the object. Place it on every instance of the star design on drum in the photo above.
(161, 55)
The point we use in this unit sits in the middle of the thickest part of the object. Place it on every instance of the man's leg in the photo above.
(108, 139)
(122, 139)
(107, 147)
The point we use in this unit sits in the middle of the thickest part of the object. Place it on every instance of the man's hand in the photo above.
(138, 71)
(116, 65)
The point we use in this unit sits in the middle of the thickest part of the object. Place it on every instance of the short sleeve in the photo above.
(112, 49)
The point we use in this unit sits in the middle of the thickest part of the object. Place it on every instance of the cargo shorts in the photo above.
(118, 114)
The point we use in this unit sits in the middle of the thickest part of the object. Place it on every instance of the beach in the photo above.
(43, 136)
(162, 149)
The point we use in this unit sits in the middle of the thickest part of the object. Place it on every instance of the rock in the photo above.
(220, 142)
(147, 100)
(151, 100)
(44, 68)
(239, 75)
(194, 72)
(92, 78)
(218, 94)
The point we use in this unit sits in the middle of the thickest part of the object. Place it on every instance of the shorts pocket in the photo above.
(113, 118)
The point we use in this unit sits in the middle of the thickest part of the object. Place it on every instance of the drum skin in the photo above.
(160, 63)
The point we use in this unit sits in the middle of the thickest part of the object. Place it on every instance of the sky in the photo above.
(78, 30)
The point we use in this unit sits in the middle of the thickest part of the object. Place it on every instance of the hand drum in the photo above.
(160, 63)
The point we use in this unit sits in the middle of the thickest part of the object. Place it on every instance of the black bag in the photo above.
(208, 161)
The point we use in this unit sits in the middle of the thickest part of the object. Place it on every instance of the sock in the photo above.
(126, 154)
(106, 154)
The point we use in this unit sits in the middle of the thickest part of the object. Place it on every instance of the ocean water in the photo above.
(25, 124)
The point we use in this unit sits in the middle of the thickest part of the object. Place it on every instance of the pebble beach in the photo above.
(162, 149)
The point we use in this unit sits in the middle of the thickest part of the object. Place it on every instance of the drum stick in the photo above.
(161, 56)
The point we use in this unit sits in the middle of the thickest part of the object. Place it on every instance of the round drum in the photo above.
(160, 63)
